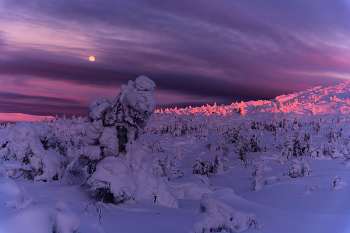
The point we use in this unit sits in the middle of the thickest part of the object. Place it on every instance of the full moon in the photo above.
(91, 58)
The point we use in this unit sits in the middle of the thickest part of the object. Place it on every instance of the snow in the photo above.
(296, 182)
(115, 174)
(212, 215)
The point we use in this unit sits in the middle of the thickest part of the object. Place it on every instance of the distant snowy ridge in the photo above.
(19, 117)
(317, 100)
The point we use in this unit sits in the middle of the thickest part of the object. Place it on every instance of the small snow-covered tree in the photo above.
(319, 128)
(334, 150)
(203, 167)
(241, 110)
(307, 144)
(218, 166)
(305, 170)
(266, 148)
(296, 169)
(254, 144)
(287, 150)
(297, 145)
(335, 182)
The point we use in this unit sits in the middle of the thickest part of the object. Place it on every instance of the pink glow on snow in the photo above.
(19, 117)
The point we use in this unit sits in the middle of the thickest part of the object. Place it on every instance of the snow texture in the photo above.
(114, 174)
(41, 219)
(23, 144)
(212, 216)
(14, 195)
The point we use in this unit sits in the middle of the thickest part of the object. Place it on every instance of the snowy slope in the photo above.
(317, 100)
(261, 146)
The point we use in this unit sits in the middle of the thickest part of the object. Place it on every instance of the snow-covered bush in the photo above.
(214, 216)
(203, 167)
(336, 182)
(296, 169)
(306, 170)
(23, 143)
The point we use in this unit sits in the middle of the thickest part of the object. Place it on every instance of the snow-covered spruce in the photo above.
(114, 163)
(24, 143)
(296, 169)
(214, 216)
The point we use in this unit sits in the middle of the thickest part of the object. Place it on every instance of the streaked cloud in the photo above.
(214, 51)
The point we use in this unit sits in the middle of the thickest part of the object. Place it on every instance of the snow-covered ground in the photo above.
(281, 166)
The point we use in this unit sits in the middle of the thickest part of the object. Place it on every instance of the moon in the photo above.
(92, 58)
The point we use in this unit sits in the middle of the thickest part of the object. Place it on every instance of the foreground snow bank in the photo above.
(213, 216)
(41, 219)
(12, 195)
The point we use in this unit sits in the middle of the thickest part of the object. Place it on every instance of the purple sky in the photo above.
(197, 52)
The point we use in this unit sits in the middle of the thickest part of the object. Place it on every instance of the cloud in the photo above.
(218, 50)
(40, 105)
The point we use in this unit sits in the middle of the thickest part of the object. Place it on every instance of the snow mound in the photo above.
(52, 166)
(14, 196)
(212, 216)
(114, 174)
(156, 189)
(66, 220)
(191, 189)
(41, 219)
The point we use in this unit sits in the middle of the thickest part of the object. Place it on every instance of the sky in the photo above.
(197, 52)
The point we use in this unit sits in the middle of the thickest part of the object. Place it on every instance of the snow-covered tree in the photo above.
(203, 167)
(296, 169)
(307, 144)
(115, 164)
(218, 165)
(335, 182)
(319, 128)
(305, 170)
(254, 144)
(287, 150)
(334, 150)
(297, 145)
